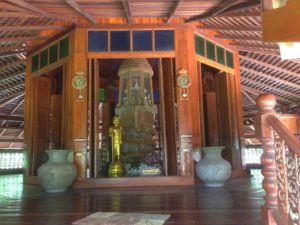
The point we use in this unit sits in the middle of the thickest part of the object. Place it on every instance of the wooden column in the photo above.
(78, 114)
(239, 105)
(188, 108)
(168, 107)
(264, 133)
(28, 120)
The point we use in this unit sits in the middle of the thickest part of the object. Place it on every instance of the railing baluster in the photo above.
(264, 132)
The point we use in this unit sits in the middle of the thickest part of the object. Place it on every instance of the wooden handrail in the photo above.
(291, 141)
(281, 150)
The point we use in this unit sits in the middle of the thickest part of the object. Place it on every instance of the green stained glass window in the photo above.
(35, 63)
(101, 94)
(44, 58)
(64, 48)
(220, 55)
(210, 50)
(229, 59)
(199, 45)
(53, 53)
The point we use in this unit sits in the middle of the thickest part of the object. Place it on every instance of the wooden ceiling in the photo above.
(28, 23)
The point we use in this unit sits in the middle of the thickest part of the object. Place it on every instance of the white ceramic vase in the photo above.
(57, 174)
(213, 170)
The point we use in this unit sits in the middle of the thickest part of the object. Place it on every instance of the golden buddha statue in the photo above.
(115, 132)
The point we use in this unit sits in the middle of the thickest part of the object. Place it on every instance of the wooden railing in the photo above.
(280, 163)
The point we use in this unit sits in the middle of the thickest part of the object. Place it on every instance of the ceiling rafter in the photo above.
(11, 64)
(79, 9)
(230, 28)
(277, 68)
(260, 51)
(17, 106)
(12, 76)
(229, 8)
(127, 9)
(264, 85)
(12, 48)
(174, 9)
(18, 14)
(34, 9)
(241, 14)
(9, 140)
(11, 127)
(238, 37)
(7, 101)
(31, 27)
(270, 77)
(21, 39)
(248, 97)
(214, 12)
(12, 118)
(12, 53)
(258, 92)
(246, 45)
(12, 86)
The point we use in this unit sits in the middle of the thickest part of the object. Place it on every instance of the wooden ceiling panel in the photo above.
(261, 67)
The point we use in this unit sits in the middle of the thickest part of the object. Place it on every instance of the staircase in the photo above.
(280, 162)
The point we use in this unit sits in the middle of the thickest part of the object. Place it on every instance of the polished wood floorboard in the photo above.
(238, 203)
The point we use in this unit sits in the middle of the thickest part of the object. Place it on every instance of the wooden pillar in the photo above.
(188, 108)
(168, 95)
(28, 120)
(78, 112)
(239, 105)
(264, 132)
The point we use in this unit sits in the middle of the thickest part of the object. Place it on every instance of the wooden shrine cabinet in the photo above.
(73, 89)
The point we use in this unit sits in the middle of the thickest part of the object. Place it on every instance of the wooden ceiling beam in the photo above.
(9, 100)
(242, 6)
(238, 37)
(246, 45)
(240, 14)
(11, 86)
(10, 140)
(174, 9)
(17, 106)
(12, 118)
(9, 65)
(31, 27)
(18, 14)
(128, 12)
(11, 127)
(274, 67)
(260, 51)
(13, 48)
(81, 11)
(258, 73)
(263, 85)
(34, 9)
(214, 12)
(229, 8)
(11, 53)
(256, 93)
(230, 28)
(21, 39)
(248, 97)
(13, 8)
(12, 76)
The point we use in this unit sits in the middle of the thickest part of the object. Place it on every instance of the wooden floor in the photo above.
(238, 203)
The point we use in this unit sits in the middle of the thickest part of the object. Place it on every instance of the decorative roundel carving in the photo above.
(79, 81)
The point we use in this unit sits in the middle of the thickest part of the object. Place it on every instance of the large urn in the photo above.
(57, 174)
(213, 170)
